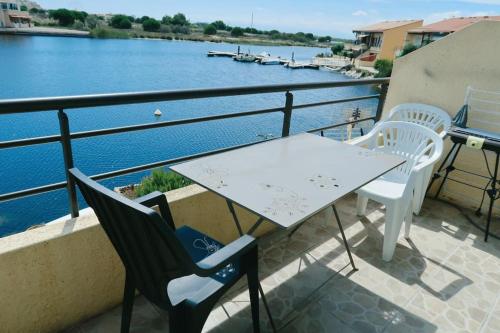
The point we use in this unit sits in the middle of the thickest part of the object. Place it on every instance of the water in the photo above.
(51, 66)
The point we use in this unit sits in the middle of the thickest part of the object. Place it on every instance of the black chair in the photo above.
(180, 270)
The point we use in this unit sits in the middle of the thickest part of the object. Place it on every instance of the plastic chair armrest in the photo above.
(223, 257)
(155, 198)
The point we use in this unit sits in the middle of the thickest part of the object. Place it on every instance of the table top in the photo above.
(288, 180)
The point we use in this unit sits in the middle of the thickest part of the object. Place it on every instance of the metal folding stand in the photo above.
(250, 231)
(259, 222)
(459, 139)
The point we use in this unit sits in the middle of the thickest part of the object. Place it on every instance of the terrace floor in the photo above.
(445, 279)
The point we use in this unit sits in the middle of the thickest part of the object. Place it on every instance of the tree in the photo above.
(64, 16)
(384, 68)
(179, 19)
(219, 25)
(325, 39)
(80, 16)
(151, 25)
(34, 10)
(409, 48)
(92, 21)
(310, 36)
(166, 20)
(24, 8)
(338, 48)
(237, 32)
(120, 22)
(210, 30)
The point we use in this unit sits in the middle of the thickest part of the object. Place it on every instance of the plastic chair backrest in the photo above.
(408, 140)
(423, 114)
(146, 244)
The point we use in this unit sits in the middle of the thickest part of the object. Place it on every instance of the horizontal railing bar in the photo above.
(336, 101)
(339, 125)
(79, 135)
(115, 130)
(72, 102)
(30, 141)
(32, 191)
(121, 172)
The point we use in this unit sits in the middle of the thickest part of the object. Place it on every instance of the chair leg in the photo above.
(128, 303)
(408, 221)
(417, 193)
(253, 288)
(393, 222)
(361, 205)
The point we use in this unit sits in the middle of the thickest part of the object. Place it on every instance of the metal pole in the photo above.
(288, 114)
(68, 161)
(492, 194)
(381, 101)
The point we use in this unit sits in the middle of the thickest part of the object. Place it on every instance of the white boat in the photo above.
(157, 113)
(245, 57)
(270, 61)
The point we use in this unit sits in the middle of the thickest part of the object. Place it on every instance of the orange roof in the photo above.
(382, 26)
(453, 24)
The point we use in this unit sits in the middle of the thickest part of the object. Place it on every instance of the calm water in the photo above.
(47, 66)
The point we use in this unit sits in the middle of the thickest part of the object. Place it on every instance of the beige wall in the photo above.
(438, 74)
(394, 40)
(57, 275)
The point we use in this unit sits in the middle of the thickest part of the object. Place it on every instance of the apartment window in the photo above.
(13, 6)
(3, 5)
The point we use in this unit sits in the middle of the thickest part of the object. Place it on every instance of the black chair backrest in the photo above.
(147, 245)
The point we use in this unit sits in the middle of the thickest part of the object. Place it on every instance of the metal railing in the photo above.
(65, 137)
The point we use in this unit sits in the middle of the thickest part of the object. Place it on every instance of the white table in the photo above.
(288, 180)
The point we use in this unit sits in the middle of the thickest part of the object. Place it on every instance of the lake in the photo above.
(54, 66)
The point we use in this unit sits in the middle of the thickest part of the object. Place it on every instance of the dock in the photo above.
(221, 54)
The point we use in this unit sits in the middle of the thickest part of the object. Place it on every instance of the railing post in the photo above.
(381, 101)
(68, 161)
(287, 114)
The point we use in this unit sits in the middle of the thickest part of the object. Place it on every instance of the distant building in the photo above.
(11, 15)
(382, 40)
(431, 32)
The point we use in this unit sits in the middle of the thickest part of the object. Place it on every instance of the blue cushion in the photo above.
(199, 246)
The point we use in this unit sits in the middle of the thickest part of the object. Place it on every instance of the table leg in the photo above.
(343, 237)
(492, 194)
(438, 172)
(250, 231)
(449, 169)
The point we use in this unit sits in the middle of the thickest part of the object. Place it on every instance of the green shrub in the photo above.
(409, 48)
(162, 181)
(210, 30)
(179, 19)
(219, 25)
(237, 32)
(24, 8)
(384, 68)
(338, 48)
(151, 25)
(120, 22)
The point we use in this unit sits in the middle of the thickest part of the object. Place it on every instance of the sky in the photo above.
(322, 17)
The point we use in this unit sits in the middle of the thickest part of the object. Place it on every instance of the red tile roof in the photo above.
(382, 26)
(453, 24)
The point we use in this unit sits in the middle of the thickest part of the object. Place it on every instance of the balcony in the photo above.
(443, 279)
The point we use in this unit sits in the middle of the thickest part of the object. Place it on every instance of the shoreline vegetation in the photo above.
(176, 27)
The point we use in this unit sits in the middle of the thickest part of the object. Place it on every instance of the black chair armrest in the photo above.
(223, 257)
(159, 199)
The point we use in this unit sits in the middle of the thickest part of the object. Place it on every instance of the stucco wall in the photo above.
(67, 271)
(394, 40)
(438, 74)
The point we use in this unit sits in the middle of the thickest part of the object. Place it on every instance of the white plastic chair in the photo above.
(431, 117)
(421, 148)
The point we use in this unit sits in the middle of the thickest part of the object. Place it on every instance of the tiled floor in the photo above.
(444, 279)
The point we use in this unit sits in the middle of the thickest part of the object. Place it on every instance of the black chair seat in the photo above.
(195, 288)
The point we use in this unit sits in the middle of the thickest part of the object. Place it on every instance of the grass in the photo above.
(101, 32)
(161, 180)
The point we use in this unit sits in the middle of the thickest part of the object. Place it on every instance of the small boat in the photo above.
(221, 54)
(270, 61)
(157, 113)
(298, 65)
(245, 57)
